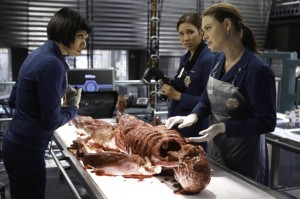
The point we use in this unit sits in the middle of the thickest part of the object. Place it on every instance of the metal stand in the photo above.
(64, 173)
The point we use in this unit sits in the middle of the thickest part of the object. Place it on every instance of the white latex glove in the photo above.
(73, 96)
(70, 91)
(209, 133)
(184, 121)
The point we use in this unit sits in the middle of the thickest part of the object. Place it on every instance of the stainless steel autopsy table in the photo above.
(224, 183)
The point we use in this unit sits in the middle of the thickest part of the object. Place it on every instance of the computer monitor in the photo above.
(98, 104)
(92, 80)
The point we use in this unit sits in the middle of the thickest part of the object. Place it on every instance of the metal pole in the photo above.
(154, 45)
(61, 168)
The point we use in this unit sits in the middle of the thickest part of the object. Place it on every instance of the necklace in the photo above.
(226, 67)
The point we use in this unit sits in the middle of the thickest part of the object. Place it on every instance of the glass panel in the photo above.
(5, 72)
(116, 59)
(5, 69)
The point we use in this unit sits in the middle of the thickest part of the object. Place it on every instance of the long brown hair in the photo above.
(193, 18)
(220, 11)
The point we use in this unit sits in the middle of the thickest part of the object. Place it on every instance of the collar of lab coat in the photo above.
(242, 64)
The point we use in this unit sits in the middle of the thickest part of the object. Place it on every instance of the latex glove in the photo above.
(73, 96)
(184, 121)
(209, 133)
(71, 90)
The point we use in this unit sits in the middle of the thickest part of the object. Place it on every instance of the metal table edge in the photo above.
(248, 180)
(93, 190)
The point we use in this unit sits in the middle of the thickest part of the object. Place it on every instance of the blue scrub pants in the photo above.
(26, 170)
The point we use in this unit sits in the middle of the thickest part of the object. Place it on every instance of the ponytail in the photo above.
(248, 38)
(221, 11)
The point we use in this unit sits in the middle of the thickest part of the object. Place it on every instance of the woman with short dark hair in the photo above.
(36, 97)
(63, 26)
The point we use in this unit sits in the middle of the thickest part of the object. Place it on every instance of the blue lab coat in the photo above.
(236, 148)
(36, 97)
(198, 74)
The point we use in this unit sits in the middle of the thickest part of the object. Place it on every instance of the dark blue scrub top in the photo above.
(36, 97)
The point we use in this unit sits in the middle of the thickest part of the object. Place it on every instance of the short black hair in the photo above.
(64, 25)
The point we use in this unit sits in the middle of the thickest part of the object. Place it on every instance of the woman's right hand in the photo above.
(73, 96)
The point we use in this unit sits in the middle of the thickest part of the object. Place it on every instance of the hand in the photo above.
(71, 90)
(165, 89)
(73, 96)
(170, 92)
(184, 121)
(209, 133)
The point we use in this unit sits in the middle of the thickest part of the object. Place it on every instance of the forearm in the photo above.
(175, 95)
(202, 108)
(250, 126)
(188, 101)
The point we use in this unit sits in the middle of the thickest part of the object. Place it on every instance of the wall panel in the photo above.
(13, 23)
(255, 15)
(118, 24)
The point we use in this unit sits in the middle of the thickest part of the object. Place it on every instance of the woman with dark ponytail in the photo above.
(239, 97)
(192, 74)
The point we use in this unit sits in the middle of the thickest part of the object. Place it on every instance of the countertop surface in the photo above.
(283, 130)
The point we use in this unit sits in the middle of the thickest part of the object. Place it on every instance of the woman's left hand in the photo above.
(209, 133)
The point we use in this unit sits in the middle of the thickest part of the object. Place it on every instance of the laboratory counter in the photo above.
(285, 137)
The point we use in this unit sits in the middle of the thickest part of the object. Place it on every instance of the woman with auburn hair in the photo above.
(239, 97)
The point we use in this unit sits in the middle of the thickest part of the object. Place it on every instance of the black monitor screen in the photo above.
(92, 80)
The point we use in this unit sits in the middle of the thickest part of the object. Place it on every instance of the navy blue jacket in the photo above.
(37, 98)
(256, 82)
(199, 74)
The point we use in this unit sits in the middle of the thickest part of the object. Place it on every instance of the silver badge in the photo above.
(187, 81)
(232, 103)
